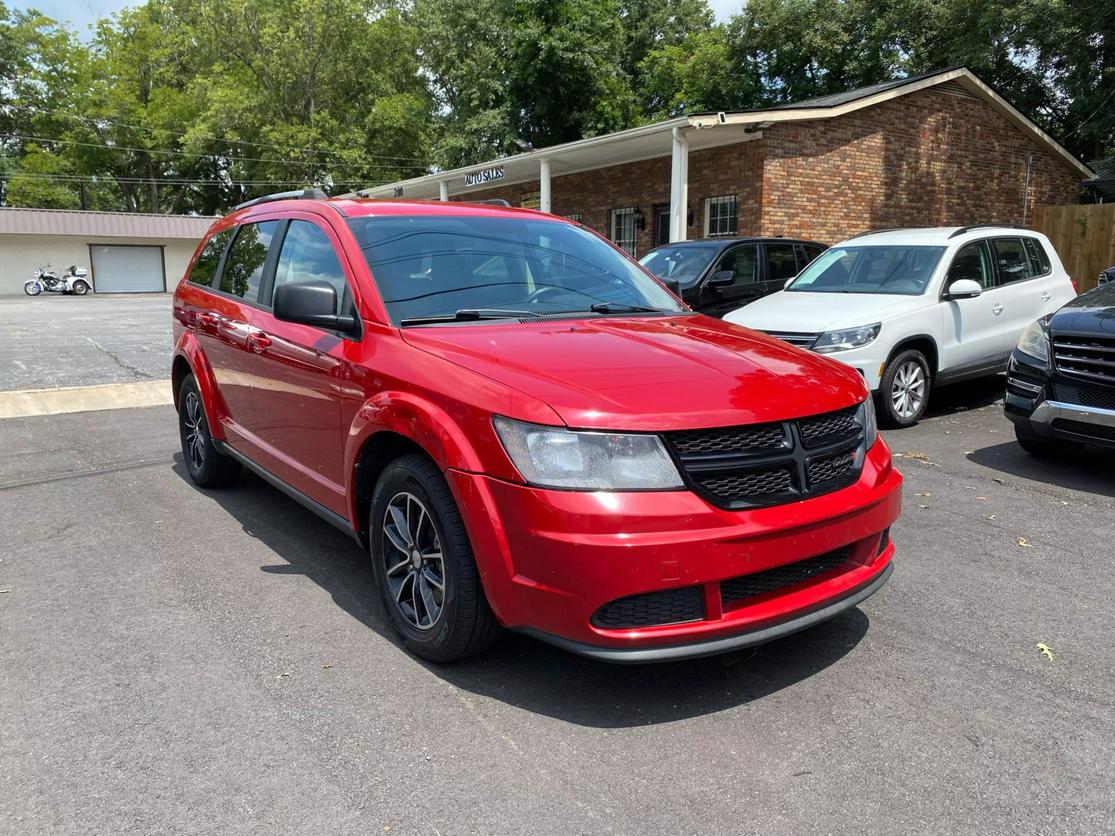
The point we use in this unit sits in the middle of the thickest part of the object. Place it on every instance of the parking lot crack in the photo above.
(116, 358)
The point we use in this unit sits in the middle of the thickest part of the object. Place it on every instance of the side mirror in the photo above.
(311, 303)
(672, 285)
(721, 278)
(964, 289)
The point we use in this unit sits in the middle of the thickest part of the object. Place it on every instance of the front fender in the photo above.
(189, 350)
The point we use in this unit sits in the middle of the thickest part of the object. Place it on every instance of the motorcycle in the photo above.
(75, 281)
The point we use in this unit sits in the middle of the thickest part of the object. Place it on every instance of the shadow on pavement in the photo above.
(970, 394)
(1089, 471)
(525, 672)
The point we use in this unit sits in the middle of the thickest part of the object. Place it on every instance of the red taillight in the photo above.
(1075, 286)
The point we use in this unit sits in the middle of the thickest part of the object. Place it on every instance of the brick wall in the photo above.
(731, 169)
(926, 159)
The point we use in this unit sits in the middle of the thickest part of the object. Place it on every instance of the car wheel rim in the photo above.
(194, 440)
(907, 393)
(413, 562)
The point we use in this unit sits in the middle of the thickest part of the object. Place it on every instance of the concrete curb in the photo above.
(27, 402)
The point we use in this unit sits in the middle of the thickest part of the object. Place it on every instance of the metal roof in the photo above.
(834, 99)
(102, 224)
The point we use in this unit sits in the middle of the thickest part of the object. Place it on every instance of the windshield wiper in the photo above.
(468, 315)
(613, 307)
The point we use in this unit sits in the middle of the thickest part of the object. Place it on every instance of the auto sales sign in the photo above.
(477, 178)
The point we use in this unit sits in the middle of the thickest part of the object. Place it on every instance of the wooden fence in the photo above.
(1084, 236)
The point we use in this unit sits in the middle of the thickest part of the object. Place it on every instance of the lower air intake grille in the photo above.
(1102, 397)
(739, 589)
(673, 606)
(1097, 431)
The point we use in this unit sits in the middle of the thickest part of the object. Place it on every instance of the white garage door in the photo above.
(118, 269)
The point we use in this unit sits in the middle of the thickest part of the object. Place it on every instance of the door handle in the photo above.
(996, 309)
(258, 341)
(1045, 297)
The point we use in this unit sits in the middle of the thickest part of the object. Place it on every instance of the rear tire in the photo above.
(1046, 448)
(904, 390)
(207, 466)
(81, 288)
(418, 543)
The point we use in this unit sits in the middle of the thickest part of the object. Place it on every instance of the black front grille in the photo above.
(1085, 394)
(672, 606)
(1096, 431)
(1091, 358)
(798, 338)
(757, 465)
(734, 590)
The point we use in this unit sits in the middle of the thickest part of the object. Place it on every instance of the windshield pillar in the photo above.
(679, 185)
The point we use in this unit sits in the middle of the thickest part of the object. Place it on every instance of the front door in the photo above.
(973, 328)
(747, 283)
(298, 390)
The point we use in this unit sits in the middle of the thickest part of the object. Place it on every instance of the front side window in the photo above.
(308, 256)
(623, 229)
(781, 261)
(685, 264)
(434, 266)
(720, 215)
(243, 269)
(1012, 261)
(880, 268)
(743, 262)
(971, 263)
(209, 259)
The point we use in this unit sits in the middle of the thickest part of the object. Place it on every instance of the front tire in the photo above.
(207, 466)
(32, 288)
(904, 390)
(81, 288)
(424, 566)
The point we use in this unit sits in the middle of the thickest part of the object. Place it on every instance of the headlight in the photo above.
(846, 339)
(550, 457)
(870, 425)
(1035, 341)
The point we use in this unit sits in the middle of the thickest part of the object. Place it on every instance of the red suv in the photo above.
(526, 429)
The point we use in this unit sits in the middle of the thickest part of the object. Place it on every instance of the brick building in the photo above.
(935, 150)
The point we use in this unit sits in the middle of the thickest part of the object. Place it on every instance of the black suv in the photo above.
(1061, 378)
(718, 275)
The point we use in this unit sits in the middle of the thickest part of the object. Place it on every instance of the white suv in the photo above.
(912, 308)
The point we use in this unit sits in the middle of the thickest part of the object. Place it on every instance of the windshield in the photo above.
(432, 266)
(684, 264)
(901, 270)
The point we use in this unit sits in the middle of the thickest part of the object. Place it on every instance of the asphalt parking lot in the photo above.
(52, 340)
(180, 660)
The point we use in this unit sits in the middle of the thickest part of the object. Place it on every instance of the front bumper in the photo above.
(550, 560)
(1037, 402)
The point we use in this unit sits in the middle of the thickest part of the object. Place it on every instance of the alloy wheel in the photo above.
(907, 392)
(194, 440)
(413, 562)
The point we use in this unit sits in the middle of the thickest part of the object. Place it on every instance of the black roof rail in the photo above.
(873, 231)
(964, 229)
(297, 194)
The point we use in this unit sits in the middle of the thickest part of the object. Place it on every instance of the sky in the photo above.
(82, 13)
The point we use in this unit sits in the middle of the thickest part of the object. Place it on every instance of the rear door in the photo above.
(747, 281)
(1023, 287)
(297, 391)
(972, 331)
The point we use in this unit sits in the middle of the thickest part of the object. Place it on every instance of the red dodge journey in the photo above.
(527, 430)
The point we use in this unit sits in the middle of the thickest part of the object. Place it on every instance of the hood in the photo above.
(1090, 313)
(652, 373)
(815, 312)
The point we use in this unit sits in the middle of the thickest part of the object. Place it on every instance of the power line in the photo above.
(170, 181)
(182, 134)
(360, 166)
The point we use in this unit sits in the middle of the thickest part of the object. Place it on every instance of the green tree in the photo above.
(32, 184)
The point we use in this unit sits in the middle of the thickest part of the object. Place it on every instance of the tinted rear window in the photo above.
(205, 268)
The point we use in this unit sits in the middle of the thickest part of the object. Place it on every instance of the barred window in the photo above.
(720, 215)
(576, 216)
(623, 229)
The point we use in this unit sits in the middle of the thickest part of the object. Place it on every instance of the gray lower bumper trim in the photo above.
(668, 653)
(1048, 411)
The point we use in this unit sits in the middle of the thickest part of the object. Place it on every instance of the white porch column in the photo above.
(679, 186)
(544, 185)
(443, 191)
